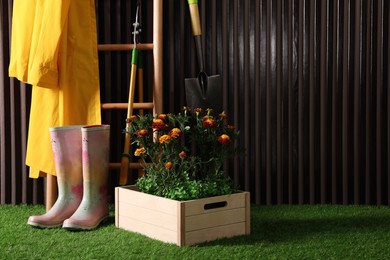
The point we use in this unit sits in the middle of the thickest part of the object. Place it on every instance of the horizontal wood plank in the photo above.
(129, 195)
(148, 216)
(146, 229)
(209, 234)
(143, 105)
(215, 219)
(196, 207)
(125, 47)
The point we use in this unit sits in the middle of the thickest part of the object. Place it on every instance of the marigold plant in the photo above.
(183, 153)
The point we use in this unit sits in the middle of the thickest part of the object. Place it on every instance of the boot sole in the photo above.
(39, 225)
(75, 227)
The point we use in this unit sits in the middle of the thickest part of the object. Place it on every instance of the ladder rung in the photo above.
(125, 47)
(131, 165)
(144, 105)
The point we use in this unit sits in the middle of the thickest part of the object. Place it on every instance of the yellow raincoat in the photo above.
(54, 48)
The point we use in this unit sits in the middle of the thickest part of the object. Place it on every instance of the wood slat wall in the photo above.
(306, 82)
(15, 186)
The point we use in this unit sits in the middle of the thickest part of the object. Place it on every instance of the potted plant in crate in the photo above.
(184, 197)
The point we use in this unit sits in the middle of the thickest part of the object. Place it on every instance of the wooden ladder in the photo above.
(157, 49)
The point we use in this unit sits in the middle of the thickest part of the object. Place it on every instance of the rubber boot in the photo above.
(94, 205)
(66, 146)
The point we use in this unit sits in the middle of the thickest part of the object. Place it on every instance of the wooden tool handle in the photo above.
(126, 149)
(195, 20)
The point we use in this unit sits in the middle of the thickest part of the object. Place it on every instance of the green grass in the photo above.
(278, 232)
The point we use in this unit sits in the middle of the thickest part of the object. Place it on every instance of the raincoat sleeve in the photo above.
(44, 56)
(22, 29)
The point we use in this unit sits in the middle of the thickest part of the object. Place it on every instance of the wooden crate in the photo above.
(182, 222)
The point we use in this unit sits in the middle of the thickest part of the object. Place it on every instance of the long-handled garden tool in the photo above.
(204, 91)
(140, 75)
(133, 75)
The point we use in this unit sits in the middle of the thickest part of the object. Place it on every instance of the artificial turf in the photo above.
(277, 232)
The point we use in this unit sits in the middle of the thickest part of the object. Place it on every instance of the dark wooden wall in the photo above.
(306, 82)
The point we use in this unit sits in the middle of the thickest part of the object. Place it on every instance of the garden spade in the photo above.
(204, 91)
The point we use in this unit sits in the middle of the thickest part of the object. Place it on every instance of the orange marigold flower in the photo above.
(163, 117)
(140, 151)
(131, 119)
(224, 139)
(198, 110)
(165, 139)
(175, 133)
(209, 123)
(168, 165)
(206, 117)
(230, 127)
(158, 124)
(182, 155)
(222, 115)
(142, 133)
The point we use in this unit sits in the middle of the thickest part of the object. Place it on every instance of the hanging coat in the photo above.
(54, 48)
